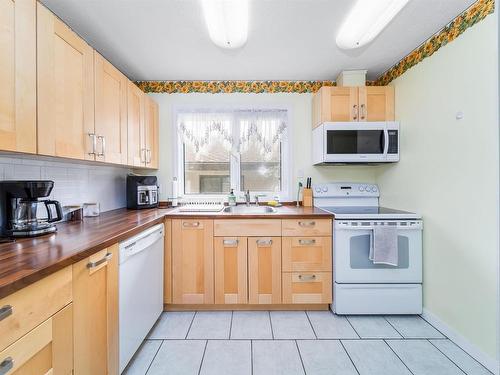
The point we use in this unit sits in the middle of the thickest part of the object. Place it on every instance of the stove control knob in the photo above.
(318, 189)
(325, 189)
(374, 189)
(361, 188)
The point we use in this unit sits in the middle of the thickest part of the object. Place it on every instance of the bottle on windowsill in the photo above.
(231, 198)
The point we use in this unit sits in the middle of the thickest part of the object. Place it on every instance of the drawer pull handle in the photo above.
(195, 224)
(264, 242)
(5, 311)
(307, 223)
(307, 242)
(230, 243)
(307, 277)
(6, 365)
(107, 257)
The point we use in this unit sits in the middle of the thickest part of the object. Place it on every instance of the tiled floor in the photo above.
(288, 343)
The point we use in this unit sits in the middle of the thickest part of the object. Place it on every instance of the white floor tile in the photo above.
(327, 325)
(251, 325)
(373, 327)
(210, 325)
(227, 358)
(461, 358)
(279, 357)
(143, 358)
(413, 327)
(172, 325)
(291, 325)
(374, 357)
(422, 358)
(325, 357)
(178, 357)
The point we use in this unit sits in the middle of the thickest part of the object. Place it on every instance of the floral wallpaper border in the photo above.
(475, 13)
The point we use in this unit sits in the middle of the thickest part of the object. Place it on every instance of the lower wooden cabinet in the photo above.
(264, 270)
(307, 254)
(307, 287)
(95, 312)
(192, 261)
(231, 282)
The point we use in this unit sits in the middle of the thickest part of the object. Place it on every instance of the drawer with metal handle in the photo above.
(307, 227)
(307, 254)
(307, 287)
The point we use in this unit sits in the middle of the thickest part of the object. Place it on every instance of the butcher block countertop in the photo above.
(30, 259)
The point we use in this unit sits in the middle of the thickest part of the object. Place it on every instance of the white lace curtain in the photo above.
(235, 129)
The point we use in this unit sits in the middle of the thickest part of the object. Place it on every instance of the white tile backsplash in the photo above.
(74, 183)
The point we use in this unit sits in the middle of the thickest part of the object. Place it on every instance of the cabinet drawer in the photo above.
(27, 308)
(307, 254)
(307, 227)
(247, 228)
(307, 287)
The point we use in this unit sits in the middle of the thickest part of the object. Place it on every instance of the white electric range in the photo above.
(360, 286)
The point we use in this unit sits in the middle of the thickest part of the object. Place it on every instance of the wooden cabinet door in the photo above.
(65, 81)
(151, 120)
(321, 110)
(307, 254)
(231, 283)
(376, 103)
(135, 126)
(264, 270)
(344, 104)
(95, 313)
(110, 112)
(192, 261)
(167, 259)
(18, 75)
(307, 287)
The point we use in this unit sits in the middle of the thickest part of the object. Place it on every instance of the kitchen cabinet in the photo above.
(231, 283)
(151, 127)
(307, 254)
(110, 132)
(167, 263)
(307, 287)
(344, 104)
(264, 270)
(135, 126)
(95, 313)
(18, 75)
(192, 261)
(65, 83)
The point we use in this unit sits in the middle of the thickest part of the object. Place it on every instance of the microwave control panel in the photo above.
(393, 142)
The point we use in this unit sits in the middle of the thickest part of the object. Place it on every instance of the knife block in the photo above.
(307, 197)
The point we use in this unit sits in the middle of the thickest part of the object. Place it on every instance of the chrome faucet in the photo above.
(247, 198)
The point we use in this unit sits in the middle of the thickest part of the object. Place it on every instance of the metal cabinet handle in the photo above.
(195, 224)
(355, 112)
(143, 154)
(264, 242)
(363, 111)
(5, 311)
(6, 365)
(230, 243)
(103, 145)
(307, 242)
(107, 257)
(307, 223)
(149, 157)
(94, 143)
(307, 277)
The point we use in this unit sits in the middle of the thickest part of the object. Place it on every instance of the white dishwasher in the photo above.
(140, 289)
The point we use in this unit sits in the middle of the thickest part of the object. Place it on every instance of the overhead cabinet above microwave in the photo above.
(356, 142)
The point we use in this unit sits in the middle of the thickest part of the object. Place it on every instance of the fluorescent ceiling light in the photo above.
(227, 21)
(366, 20)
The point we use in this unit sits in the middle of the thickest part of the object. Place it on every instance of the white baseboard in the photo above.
(476, 353)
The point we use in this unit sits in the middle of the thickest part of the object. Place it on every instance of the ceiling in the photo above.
(288, 39)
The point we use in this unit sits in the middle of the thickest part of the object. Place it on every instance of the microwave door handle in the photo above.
(386, 141)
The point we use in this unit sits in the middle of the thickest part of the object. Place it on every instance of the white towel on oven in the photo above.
(384, 245)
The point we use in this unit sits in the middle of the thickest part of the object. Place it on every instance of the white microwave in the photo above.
(356, 142)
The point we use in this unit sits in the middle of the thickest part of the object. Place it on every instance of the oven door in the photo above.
(352, 247)
(355, 142)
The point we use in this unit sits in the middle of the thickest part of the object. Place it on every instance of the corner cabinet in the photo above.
(18, 75)
(344, 104)
(151, 125)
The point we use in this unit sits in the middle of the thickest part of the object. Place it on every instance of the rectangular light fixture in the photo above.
(227, 21)
(366, 20)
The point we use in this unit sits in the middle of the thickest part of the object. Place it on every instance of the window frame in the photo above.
(235, 160)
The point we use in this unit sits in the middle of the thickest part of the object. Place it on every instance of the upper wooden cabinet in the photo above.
(65, 80)
(135, 126)
(367, 103)
(151, 121)
(18, 75)
(110, 112)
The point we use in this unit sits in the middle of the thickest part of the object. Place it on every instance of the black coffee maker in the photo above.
(19, 202)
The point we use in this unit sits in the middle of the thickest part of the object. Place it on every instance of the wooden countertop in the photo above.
(30, 259)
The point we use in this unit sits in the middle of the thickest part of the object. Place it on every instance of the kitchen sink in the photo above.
(256, 210)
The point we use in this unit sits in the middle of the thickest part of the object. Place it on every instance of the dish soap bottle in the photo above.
(231, 198)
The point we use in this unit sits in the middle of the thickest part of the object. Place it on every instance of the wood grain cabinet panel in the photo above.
(264, 270)
(167, 272)
(110, 112)
(135, 126)
(151, 132)
(18, 75)
(307, 227)
(307, 287)
(95, 311)
(376, 103)
(247, 227)
(192, 261)
(307, 254)
(65, 81)
(231, 282)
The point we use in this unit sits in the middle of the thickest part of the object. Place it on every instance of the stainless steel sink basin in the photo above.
(251, 210)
